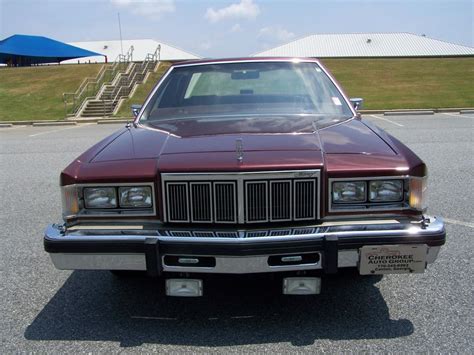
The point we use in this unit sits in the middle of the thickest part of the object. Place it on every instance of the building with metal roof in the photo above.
(141, 48)
(359, 45)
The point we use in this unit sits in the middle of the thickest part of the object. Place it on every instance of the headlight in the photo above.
(100, 197)
(349, 192)
(418, 188)
(386, 190)
(136, 196)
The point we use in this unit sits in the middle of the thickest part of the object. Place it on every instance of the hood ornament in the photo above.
(239, 150)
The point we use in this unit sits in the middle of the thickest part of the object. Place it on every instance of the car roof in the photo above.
(243, 60)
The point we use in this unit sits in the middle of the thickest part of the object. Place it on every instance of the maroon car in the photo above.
(258, 165)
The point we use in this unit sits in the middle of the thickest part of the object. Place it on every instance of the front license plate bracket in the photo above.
(392, 259)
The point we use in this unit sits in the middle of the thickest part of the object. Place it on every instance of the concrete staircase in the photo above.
(74, 102)
(109, 97)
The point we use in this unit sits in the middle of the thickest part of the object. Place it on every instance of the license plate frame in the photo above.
(392, 259)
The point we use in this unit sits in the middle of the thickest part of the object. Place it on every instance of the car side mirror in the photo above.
(357, 102)
(136, 110)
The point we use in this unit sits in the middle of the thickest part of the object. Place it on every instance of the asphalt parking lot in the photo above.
(46, 310)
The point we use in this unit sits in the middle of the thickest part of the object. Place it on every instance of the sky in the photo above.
(225, 28)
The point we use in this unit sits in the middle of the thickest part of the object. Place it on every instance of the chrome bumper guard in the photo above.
(326, 247)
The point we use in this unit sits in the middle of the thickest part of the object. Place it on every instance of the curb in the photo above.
(42, 124)
(112, 121)
(100, 119)
(72, 121)
(5, 125)
(408, 113)
(29, 123)
(435, 110)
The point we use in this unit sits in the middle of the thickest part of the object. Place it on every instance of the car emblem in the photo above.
(239, 150)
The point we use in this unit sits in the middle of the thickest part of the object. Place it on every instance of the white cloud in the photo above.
(149, 8)
(245, 9)
(236, 28)
(275, 34)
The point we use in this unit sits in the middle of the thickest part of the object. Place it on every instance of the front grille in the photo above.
(256, 204)
(177, 201)
(241, 197)
(280, 194)
(242, 234)
(201, 210)
(225, 200)
(304, 204)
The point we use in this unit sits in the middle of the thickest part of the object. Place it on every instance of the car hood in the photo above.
(209, 145)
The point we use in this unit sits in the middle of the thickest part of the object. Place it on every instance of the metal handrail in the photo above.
(155, 57)
(109, 105)
(125, 81)
(132, 81)
(91, 86)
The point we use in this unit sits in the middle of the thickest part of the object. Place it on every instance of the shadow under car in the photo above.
(237, 310)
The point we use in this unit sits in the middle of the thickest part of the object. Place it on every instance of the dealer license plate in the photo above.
(392, 259)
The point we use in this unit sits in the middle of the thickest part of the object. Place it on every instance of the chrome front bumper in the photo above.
(326, 247)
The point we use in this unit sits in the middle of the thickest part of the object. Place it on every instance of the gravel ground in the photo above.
(47, 310)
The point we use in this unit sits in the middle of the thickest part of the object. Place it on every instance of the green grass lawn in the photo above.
(407, 83)
(402, 83)
(35, 93)
(142, 91)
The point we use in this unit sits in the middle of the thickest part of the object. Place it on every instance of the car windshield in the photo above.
(249, 89)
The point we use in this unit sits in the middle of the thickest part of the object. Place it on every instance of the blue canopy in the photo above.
(22, 50)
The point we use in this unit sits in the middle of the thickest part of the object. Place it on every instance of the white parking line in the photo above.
(460, 223)
(456, 115)
(60, 129)
(386, 119)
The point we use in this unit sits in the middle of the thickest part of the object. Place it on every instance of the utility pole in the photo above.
(120, 31)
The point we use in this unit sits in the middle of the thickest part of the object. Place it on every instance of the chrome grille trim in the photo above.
(181, 233)
(258, 233)
(278, 196)
(256, 201)
(178, 211)
(239, 198)
(225, 196)
(304, 203)
(201, 209)
(204, 234)
(227, 234)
